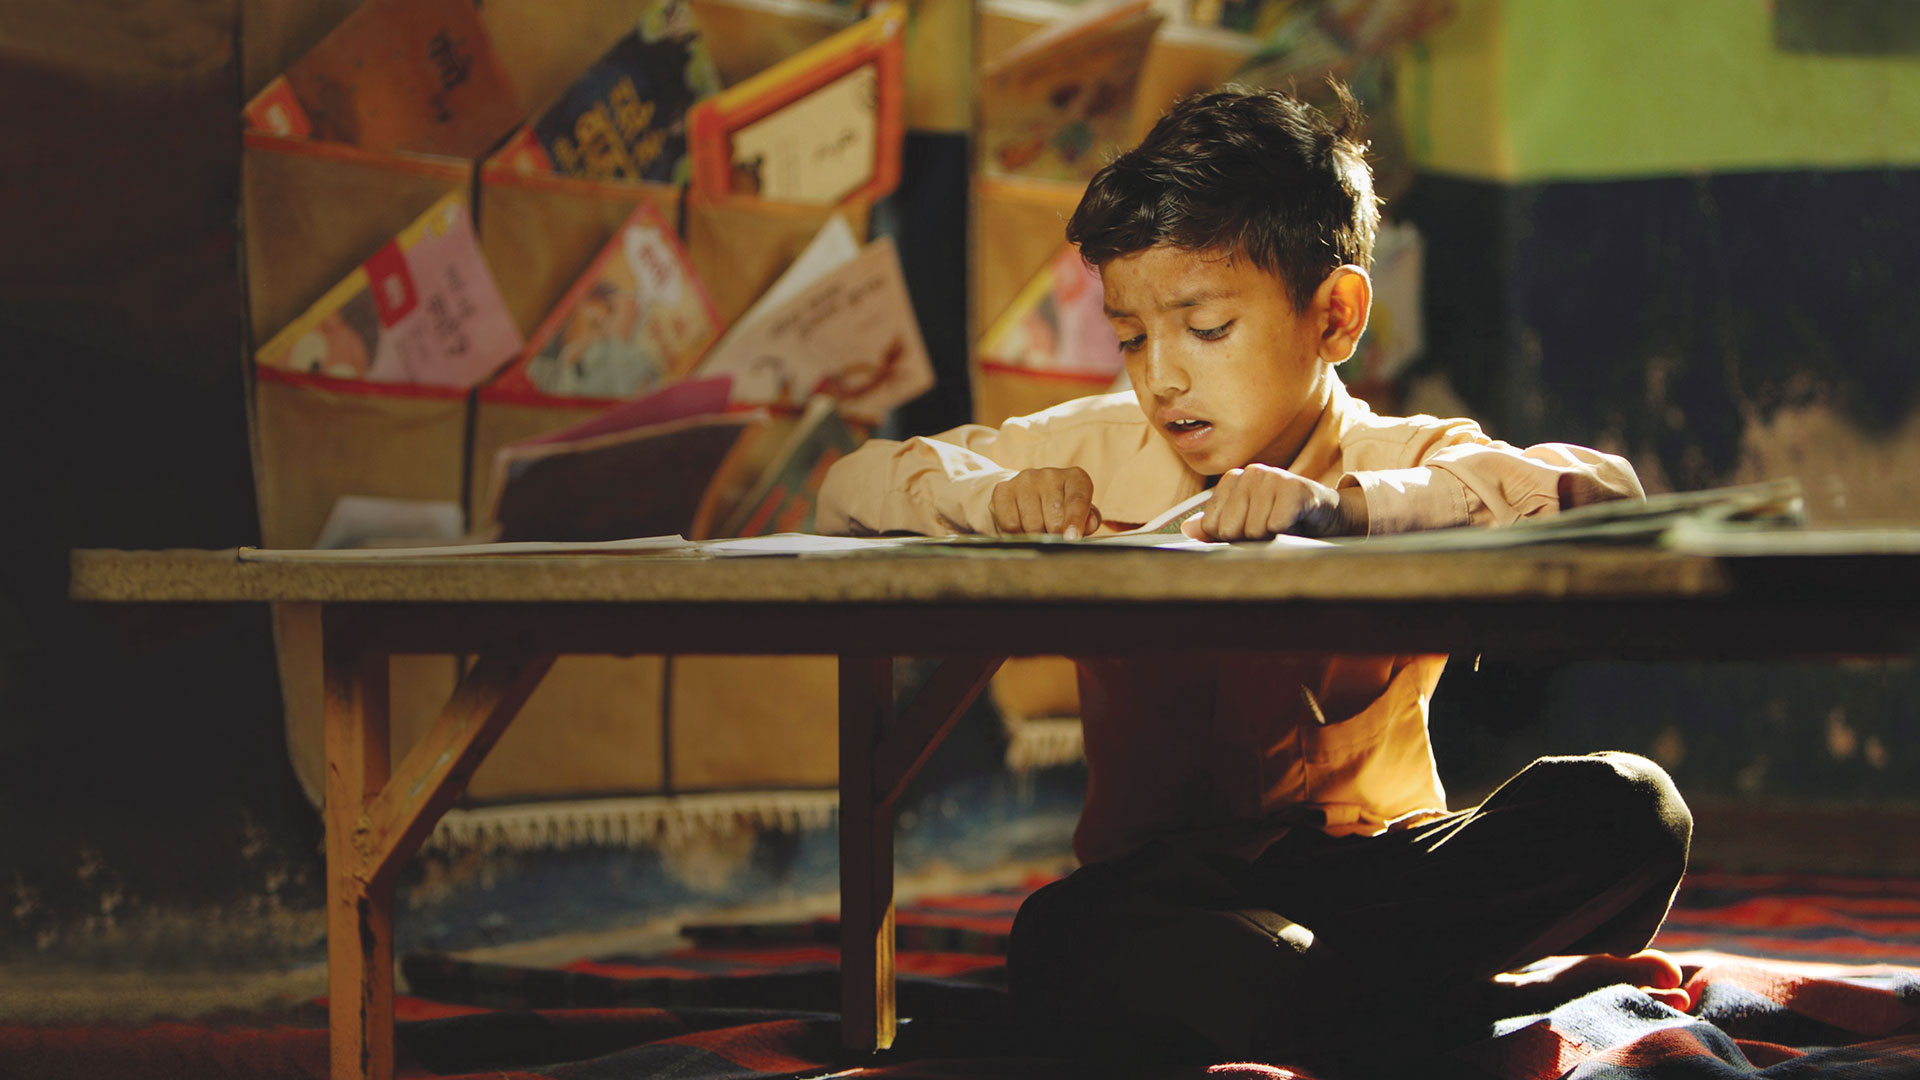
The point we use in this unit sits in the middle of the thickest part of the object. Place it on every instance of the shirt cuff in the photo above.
(967, 504)
(1407, 500)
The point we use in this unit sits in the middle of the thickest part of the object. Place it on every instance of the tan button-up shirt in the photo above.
(1224, 751)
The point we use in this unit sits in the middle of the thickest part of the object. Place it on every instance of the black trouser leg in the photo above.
(1160, 956)
(1182, 956)
(1573, 855)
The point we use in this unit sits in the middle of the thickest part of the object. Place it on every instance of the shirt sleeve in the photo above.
(932, 485)
(1459, 476)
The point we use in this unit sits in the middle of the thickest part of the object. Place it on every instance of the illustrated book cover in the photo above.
(416, 75)
(625, 118)
(637, 319)
(1057, 322)
(851, 335)
(653, 467)
(819, 128)
(423, 310)
(1054, 103)
(782, 500)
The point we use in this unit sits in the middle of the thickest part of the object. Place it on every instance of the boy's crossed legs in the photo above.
(1327, 945)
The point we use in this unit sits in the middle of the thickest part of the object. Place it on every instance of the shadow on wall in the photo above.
(142, 767)
(1717, 329)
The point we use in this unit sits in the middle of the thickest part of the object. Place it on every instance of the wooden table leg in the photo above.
(879, 755)
(359, 912)
(867, 1017)
(377, 818)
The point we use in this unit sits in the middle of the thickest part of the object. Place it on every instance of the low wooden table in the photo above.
(969, 607)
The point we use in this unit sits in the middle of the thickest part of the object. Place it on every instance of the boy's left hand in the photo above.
(1260, 502)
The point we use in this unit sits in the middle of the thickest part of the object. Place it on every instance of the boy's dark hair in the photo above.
(1258, 174)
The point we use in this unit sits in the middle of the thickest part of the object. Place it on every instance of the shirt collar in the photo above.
(1320, 459)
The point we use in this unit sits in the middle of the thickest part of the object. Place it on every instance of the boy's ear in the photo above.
(1346, 296)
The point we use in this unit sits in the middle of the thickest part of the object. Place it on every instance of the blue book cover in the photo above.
(625, 118)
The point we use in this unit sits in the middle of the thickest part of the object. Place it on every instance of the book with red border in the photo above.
(423, 309)
(821, 127)
(638, 319)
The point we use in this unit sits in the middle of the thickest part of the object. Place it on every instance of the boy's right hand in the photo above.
(1046, 501)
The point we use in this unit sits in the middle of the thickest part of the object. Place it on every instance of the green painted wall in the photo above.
(1527, 90)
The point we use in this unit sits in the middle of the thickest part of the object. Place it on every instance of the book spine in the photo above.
(276, 111)
(523, 153)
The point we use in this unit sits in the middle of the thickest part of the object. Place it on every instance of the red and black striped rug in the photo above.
(1791, 976)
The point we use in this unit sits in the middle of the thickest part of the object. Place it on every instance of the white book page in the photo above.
(832, 247)
(637, 545)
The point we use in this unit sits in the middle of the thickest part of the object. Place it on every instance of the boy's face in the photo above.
(1225, 369)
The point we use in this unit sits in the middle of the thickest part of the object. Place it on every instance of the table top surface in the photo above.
(1039, 574)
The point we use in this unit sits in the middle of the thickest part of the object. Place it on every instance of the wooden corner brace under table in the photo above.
(376, 821)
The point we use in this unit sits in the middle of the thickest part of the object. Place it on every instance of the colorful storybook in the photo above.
(422, 310)
(1057, 322)
(850, 334)
(417, 75)
(1051, 105)
(625, 118)
(782, 499)
(820, 127)
(651, 467)
(637, 319)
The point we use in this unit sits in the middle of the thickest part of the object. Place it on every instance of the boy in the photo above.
(1269, 867)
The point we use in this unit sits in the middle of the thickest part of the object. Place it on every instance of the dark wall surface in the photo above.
(1716, 329)
(142, 764)
(1666, 314)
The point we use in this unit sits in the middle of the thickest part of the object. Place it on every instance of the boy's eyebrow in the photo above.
(1190, 300)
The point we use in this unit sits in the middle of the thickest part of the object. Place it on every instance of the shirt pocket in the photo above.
(1378, 759)
(1340, 741)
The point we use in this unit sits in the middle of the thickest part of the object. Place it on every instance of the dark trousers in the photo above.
(1323, 945)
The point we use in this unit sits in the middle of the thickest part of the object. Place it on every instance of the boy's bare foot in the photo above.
(1559, 979)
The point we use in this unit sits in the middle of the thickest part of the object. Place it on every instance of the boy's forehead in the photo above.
(1164, 277)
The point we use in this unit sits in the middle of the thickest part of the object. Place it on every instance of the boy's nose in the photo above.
(1165, 376)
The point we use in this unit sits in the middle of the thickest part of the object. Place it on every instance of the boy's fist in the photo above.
(1046, 501)
(1260, 502)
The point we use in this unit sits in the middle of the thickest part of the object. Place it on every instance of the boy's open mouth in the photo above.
(1187, 434)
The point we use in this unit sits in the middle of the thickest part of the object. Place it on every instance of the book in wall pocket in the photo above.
(314, 211)
(820, 127)
(318, 439)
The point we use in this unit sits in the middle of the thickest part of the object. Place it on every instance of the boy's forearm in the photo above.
(1488, 483)
(916, 486)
